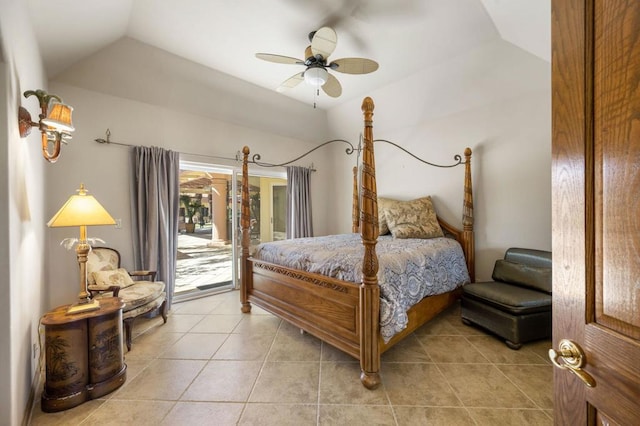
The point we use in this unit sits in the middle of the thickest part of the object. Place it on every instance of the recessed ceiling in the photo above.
(403, 36)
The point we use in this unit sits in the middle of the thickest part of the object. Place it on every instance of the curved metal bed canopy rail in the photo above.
(255, 159)
(457, 158)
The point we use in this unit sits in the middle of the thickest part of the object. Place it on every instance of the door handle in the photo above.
(573, 359)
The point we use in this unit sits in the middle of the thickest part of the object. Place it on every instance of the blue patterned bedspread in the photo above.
(409, 269)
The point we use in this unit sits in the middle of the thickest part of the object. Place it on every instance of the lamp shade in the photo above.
(81, 210)
(316, 76)
(59, 117)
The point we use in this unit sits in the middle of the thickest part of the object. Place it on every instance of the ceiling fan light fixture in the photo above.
(316, 76)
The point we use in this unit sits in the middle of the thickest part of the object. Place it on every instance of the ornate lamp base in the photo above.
(84, 307)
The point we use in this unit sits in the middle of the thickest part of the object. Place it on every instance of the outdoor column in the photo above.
(218, 210)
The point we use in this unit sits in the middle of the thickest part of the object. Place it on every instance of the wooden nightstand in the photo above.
(84, 355)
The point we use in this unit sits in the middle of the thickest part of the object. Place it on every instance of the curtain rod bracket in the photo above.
(108, 134)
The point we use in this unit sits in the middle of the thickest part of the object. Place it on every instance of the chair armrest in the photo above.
(115, 289)
(138, 274)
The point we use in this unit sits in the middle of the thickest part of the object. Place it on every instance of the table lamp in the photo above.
(82, 210)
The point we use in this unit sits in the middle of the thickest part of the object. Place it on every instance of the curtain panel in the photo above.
(155, 192)
(299, 221)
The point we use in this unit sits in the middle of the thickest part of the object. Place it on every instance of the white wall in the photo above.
(104, 169)
(495, 100)
(22, 236)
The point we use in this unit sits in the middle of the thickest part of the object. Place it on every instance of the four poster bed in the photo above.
(347, 313)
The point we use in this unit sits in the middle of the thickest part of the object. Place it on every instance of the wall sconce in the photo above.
(54, 124)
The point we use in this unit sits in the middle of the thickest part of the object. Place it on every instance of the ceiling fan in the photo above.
(323, 43)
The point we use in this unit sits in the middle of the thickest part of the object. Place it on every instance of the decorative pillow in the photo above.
(119, 277)
(383, 228)
(412, 219)
(100, 260)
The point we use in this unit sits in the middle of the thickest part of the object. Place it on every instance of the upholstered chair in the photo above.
(516, 305)
(140, 292)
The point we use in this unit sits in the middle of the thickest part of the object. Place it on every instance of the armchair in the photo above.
(140, 292)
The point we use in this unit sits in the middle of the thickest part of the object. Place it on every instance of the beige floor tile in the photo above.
(217, 324)
(164, 379)
(288, 382)
(407, 350)
(369, 415)
(295, 346)
(417, 384)
(195, 346)
(433, 416)
(329, 353)
(151, 344)
(72, 416)
(257, 324)
(170, 380)
(541, 348)
(463, 329)
(536, 381)
(340, 383)
(479, 385)
(454, 349)
(245, 347)
(228, 307)
(223, 381)
(203, 413)
(279, 414)
(509, 417)
(496, 351)
(438, 326)
(182, 323)
(134, 368)
(139, 413)
(197, 306)
(143, 325)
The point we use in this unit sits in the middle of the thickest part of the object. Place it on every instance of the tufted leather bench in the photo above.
(516, 305)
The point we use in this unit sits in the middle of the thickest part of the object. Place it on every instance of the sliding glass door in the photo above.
(209, 239)
(205, 239)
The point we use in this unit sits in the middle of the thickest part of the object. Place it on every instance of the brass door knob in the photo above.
(573, 359)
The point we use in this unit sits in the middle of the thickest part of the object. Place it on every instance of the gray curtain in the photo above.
(155, 192)
(299, 223)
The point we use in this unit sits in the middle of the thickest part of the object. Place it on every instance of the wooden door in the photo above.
(596, 208)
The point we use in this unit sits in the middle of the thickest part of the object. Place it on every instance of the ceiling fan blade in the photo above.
(324, 42)
(354, 65)
(332, 87)
(279, 59)
(291, 82)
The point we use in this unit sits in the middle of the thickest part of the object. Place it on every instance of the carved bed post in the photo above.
(369, 290)
(467, 217)
(245, 223)
(355, 205)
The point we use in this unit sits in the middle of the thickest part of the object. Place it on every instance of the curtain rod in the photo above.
(237, 158)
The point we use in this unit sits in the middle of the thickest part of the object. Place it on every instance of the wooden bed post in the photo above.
(245, 224)
(467, 217)
(355, 205)
(369, 289)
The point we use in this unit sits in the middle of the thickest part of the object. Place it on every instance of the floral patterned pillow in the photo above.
(383, 228)
(412, 219)
(119, 277)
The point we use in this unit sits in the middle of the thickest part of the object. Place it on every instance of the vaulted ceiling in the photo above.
(403, 36)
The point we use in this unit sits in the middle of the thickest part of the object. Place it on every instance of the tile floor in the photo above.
(212, 365)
